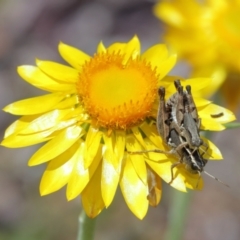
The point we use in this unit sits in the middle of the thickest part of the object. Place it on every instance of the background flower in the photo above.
(206, 34)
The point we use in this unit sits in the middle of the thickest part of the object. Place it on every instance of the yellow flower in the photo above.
(207, 35)
(98, 110)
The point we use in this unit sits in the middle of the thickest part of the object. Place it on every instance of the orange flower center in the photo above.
(117, 95)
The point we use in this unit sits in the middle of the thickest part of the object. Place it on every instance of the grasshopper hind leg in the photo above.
(172, 167)
(152, 150)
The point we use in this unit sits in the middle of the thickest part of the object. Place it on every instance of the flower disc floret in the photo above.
(117, 95)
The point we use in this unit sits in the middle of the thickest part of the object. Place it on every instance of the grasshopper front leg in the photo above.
(152, 150)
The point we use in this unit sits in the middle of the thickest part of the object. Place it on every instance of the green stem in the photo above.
(85, 227)
(177, 215)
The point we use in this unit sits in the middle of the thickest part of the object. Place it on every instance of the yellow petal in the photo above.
(64, 124)
(59, 72)
(81, 176)
(213, 152)
(132, 49)
(200, 102)
(20, 124)
(33, 129)
(116, 48)
(218, 75)
(165, 66)
(138, 136)
(34, 105)
(37, 78)
(44, 122)
(210, 124)
(119, 147)
(92, 141)
(155, 54)
(75, 112)
(152, 134)
(73, 56)
(163, 169)
(101, 48)
(17, 141)
(163, 10)
(192, 181)
(92, 200)
(109, 148)
(152, 155)
(64, 140)
(69, 101)
(58, 171)
(109, 180)
(217, 113)
(137, 159)
(112, 161)
(158, 57)
(154, 187)
(221, 4)
(134, 191)
(15, 136)
(196, 84)
(168, 83)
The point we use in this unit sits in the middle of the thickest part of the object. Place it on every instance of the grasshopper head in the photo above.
(199, 162)
(195, 163)
(197, 166)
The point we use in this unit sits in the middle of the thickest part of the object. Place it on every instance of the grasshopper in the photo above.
(184, 115)
(178, 124)
(170, 114)
(171, 137)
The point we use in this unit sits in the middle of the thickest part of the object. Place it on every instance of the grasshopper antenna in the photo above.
(216, 178)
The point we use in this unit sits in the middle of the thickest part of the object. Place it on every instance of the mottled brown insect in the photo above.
(178, 124)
